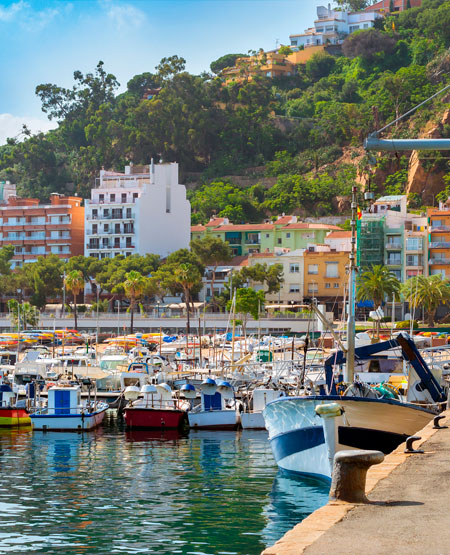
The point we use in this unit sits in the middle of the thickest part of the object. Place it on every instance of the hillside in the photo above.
(294, 142)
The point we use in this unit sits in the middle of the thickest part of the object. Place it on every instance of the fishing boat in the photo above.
(156, 410)
(11, 415)
(218, 408)
(65, 412)
(306, 432)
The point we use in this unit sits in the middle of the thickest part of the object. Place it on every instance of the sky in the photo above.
(45, 41)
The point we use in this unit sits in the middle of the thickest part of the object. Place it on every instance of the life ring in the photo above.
(189, 351)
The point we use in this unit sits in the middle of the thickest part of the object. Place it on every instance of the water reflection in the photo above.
(117, 491)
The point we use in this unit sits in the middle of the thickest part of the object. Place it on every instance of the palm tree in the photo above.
(74, 282)
(427, 292)
(188, 277)
(375, 284)
(134, 288)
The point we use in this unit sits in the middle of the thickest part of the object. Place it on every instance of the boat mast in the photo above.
(350, 358)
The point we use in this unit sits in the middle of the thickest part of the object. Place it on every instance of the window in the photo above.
(128, 242)
(294, 268)
(117, 228)
(313, 268)
(101, 198)
(332, 270)
(105, 243)
(336, 285)
(414, 244)
(117, 213)
(437, 272)
(294, 289)
(94, 228)
(117, 243)
(413, 260)
(37, 220)
(124, 197)
(135, 196)
(267, 235)
(394, 241)
(394, 258)
(313, 288)
(129, 213)
(288, 235)
(279, 241)
(94, 213)
(106, 227)
(366, 25)
(327, 285)
(112, 197)
(397, 274)
(106, 213)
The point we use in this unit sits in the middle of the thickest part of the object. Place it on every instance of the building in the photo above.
(332, 26)
(326, 277)
(143, 210)
(390, 236)
(285, 233)
(383, 7)
(439, 239)
(41, 229)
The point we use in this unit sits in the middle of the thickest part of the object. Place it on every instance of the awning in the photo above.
(273, 306)
(182, 306)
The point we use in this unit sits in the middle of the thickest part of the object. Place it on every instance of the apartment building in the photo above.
(390, 236)
(41, 229)
(143, 210)
(439, 239)
(246, 239)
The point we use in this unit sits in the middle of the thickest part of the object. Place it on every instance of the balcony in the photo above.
(436, 261)
(437, 228)
(440, 245)
(394, 246)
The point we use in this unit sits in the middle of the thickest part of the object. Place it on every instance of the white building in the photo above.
(143, 210)
(332, 26)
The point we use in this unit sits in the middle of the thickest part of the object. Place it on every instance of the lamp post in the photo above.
(96, 333)
(64, 294)
(157, 304)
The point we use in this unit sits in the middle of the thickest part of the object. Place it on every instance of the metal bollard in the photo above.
(349, 474)
(436, 421)
(409, 448)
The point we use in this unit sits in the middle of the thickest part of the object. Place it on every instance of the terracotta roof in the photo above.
(339, 234)
(214, 222)
(284, 220)
(197, 228)
(303, 225)
(239, 261)
(384, 5)
(245, 227)
(261, 255)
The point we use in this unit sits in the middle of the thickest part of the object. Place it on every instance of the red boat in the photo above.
(155, 418)
(157, 410)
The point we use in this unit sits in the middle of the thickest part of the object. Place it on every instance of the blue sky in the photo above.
(44, 41)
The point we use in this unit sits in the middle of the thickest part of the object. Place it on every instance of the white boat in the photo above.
(218, 408)
(253, 419)
(306, 432)
(64, 411)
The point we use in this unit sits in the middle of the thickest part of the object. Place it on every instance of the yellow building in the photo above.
(325, 275)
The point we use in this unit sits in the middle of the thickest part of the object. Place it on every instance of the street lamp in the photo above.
(98, 293)
(157, 304)
(64, 294)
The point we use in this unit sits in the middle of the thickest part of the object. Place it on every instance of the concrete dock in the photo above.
(407, 513)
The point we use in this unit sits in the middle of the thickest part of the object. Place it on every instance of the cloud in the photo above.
(123, 16)
(11, 126)
(9, 13)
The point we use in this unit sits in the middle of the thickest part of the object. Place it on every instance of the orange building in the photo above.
(42, 229)
(439, 235)
(325, 275)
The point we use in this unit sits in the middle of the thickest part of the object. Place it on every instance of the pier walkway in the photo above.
(408, 510)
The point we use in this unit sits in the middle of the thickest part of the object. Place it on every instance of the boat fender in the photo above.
(329, 410)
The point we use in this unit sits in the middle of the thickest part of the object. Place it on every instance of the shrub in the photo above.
(406, 324)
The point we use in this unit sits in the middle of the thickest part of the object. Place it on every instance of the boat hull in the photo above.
(301, 445)
(154, 418)
(67, 422)
(214, 420)
(11, 417)
(253, 421)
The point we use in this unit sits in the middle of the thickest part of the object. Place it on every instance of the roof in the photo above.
(245, 227)
(339, 235)
(214, 222)
(390, 198)
(304, 225)
(262, 255)
(284, 220)
(384, 5)
(197, 228)
(239, 261)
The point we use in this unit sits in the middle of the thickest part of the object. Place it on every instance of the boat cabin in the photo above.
(64, 400)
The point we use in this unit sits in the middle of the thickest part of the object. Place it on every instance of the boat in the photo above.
(65, 412)
(13, 413)
(218, 408)
(306, 432)
(253, 419)
(157, 409)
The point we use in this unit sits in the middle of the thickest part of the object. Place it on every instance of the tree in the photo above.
(211, 251)
(367, 44)
(375, 284)
(285, 50)
(168, 67)
(248, 303)
(134, 287)
(188, 277)
(427, 292)
(74, 282)
(320, 65)
(353, 5)
(23, 314)
(229, 60)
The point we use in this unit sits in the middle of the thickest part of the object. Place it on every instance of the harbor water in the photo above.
(117, 491)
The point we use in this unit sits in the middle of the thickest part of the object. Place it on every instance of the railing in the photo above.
(440, 245)
(394, 246)
(435, 261)
(434, 228)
